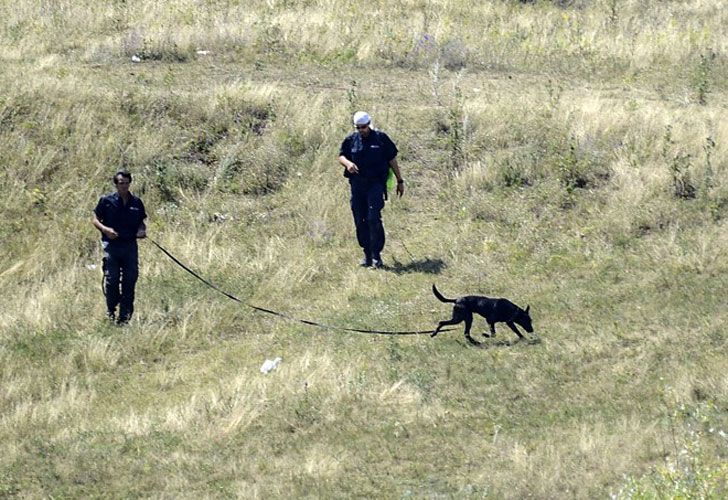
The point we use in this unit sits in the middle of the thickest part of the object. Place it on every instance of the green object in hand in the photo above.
(391, 180)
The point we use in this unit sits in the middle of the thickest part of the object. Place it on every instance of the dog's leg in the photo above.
(512, 326)
(458, 316)
(468, 325)
(444, 323)
(492, 330)
(439, 327)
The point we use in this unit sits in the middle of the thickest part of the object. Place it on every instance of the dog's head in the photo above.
(523, 318)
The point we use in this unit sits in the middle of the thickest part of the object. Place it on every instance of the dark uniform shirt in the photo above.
(124, 219)
(371, 154)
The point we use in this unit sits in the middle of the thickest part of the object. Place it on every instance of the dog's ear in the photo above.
(528, 307)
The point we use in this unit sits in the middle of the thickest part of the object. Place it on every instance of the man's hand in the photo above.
(110, 233)
(352, 169)
(400, 188)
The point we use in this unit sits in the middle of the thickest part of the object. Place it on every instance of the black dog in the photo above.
(493, 310)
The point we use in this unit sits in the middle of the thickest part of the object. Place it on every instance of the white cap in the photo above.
(362, 118)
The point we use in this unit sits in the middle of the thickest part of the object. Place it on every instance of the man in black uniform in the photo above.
(367, 156)
(120, 218)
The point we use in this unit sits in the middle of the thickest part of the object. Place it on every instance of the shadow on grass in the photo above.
(427, 266)
(491, 343)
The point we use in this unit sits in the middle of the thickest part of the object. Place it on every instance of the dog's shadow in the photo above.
(492, 343)
(428, 266)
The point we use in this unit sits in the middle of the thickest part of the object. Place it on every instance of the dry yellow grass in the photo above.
(542, 147)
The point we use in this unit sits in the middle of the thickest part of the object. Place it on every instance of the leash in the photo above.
(279, 314)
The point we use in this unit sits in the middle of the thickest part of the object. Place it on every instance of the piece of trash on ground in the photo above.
(270, 364)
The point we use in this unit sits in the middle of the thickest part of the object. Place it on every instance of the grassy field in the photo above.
(570, 155)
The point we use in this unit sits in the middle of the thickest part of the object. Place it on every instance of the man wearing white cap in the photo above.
(367, 155)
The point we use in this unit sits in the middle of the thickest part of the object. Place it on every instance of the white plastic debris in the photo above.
(135, 58)
(203, 52)
(91, 267)
(270, 364)
(218, 217)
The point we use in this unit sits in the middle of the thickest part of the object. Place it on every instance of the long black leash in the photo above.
(282, 315)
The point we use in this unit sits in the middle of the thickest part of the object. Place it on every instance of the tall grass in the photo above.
(567, 155)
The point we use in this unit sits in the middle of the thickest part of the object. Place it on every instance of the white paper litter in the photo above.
(270, 364)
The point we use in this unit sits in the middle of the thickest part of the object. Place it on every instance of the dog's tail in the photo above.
(439, 296)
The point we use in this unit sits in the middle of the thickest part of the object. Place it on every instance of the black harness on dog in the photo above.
(282, 315)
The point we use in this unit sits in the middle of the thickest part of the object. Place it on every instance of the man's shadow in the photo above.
(427, 266)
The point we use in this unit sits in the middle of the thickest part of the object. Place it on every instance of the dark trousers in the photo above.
(121, 270)
(367, 202)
